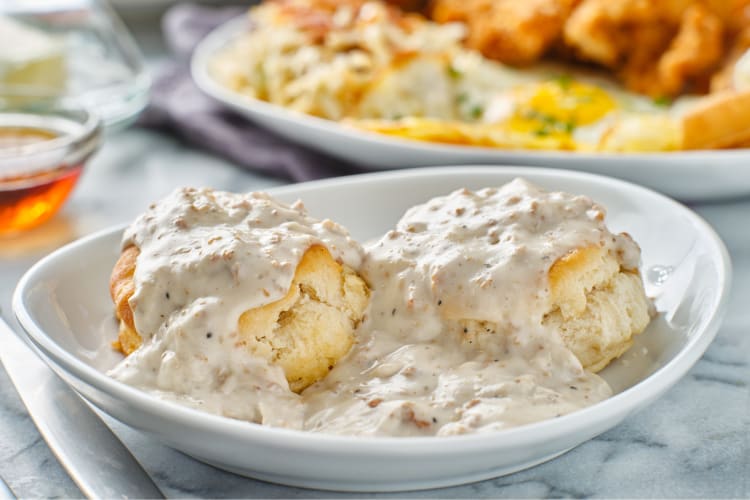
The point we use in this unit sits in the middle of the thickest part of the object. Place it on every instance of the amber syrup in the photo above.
(30, 198)
(27, 202)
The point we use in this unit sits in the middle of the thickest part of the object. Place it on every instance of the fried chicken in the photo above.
(661, 48)
(507, 30)
(410, 5)
(724, 78)
(657, 48)
(736, 15)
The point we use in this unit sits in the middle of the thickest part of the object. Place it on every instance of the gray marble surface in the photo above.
(693, 442)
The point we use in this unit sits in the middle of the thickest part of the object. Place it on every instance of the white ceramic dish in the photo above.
(63, 304)
(694, 175)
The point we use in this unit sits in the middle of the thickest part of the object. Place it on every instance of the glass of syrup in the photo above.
(44, 145)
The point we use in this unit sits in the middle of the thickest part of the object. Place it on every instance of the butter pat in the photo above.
(29, 57)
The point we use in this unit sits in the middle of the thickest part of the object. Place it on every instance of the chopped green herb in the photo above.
(536, 115)
(542, 117)
(549, 123)
(476, 112)
(454, 73)
(564, 81)
(542, 132)
(462, 98)
(662, 101)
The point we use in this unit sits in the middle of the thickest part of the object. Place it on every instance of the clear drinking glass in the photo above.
(78, 50)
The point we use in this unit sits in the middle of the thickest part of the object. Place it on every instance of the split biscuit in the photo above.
(306, 332)
(596, 306)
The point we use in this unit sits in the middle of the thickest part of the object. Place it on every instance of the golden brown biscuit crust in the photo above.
(121, 288)
(597, 307)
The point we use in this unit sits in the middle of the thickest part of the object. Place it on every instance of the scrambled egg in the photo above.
(368, 65)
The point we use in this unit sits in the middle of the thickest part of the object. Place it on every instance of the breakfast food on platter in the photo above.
(470, 80)
(479, 311)
(223, 296)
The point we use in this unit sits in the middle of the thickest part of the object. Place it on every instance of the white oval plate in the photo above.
(689, 175)
(63, 304)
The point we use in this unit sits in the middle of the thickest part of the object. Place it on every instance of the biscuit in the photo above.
(306, 332)
(311, 328)
(596, 306)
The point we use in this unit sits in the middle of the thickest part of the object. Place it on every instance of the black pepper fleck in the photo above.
(434, 420)
(440, 302)
(209, 335)
(167, 295)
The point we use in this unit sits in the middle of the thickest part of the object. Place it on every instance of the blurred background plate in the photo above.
(687, 175)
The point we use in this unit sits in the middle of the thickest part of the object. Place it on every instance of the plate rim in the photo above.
(621, 404)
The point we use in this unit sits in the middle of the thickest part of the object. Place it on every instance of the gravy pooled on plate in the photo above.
(463, 330)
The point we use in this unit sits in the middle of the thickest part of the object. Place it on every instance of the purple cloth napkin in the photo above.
(178, 106)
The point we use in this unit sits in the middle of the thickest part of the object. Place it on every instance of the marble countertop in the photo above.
(692, 442)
